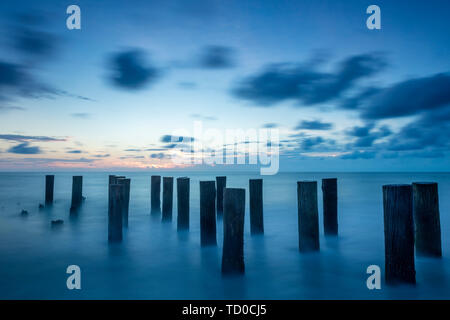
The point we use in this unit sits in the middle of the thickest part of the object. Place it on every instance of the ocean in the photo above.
(154, 261)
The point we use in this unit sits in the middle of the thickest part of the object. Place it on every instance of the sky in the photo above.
(111, 95)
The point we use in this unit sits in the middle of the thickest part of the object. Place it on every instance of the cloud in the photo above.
(366, 135)
(217, 57)
(202, 117)
(24, 148)
(11, 108)
(169, 138)
(270, 125)
(107, 155)
(304, 84)
(17, 137)
(431, 130)
(159, 155)
(314, 125)
(81, 115)
(74, 151)
(309, 143)
(359, 155)
(130, 71)
(409, 97)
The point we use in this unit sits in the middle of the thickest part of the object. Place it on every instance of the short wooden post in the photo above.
(115, 212)
(167, 199)
(256, 206)
(183, 187)
(398, 234)
(126, 199)
(208, 213)
(233, 231)
(221, 183)
(330, 215)
(426, 219)
(77, 192)
(308, 216)
(49, 187)
(156, 194)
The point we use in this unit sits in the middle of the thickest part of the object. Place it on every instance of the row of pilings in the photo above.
(411, 216)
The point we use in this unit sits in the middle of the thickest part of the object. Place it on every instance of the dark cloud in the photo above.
(81, 115)
(17, 137)
(304, 84)
(430, 130)
(133, 150)
(130, 71)
(359, 155)
(34, 42)
(314, 125)
(169, 138)
(75, 151)
(107, 155)
(217, 57)
(24, 148)
(159, 155)
(367, 135)
(270, 125)
(309, 143)
(405, 98)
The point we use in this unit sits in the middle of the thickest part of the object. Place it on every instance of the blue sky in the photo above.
(343, 97)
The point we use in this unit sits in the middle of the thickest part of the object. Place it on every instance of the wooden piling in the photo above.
(126, 198)
(115, 212)
(183, 187)
(398, 234)
(208, 213)
(49, 187)
(330, 201)
(167, 199)
(221, 183)
(256, 206)
(233, 231)
(156, 194)
(308, 216)
(77, 192)
(426, 219)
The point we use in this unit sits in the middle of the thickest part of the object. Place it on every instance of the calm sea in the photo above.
(154, 261)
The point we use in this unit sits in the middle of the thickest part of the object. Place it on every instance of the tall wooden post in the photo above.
(49, 187)
(398, 234)
(308, 216)
(208, 213)
(167, 199)
(330, 201)
(256, 206)
(233, 231)
(77, 192)
(426, 219)
(156, 194)
(115, 212)
(183, 186)
(126, 199)
(221, 183)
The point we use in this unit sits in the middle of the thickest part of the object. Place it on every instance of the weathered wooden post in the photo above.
(167, 199)
(330, 215)
(156, 194)
(126, 199)
(77, 192)
(49, 187)
(426, 219)
(221, 183)
(208, 213)
(256, 206)
(398, 234)
(233, 231)
(183, 186)
(115, 212)
(308, 216)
